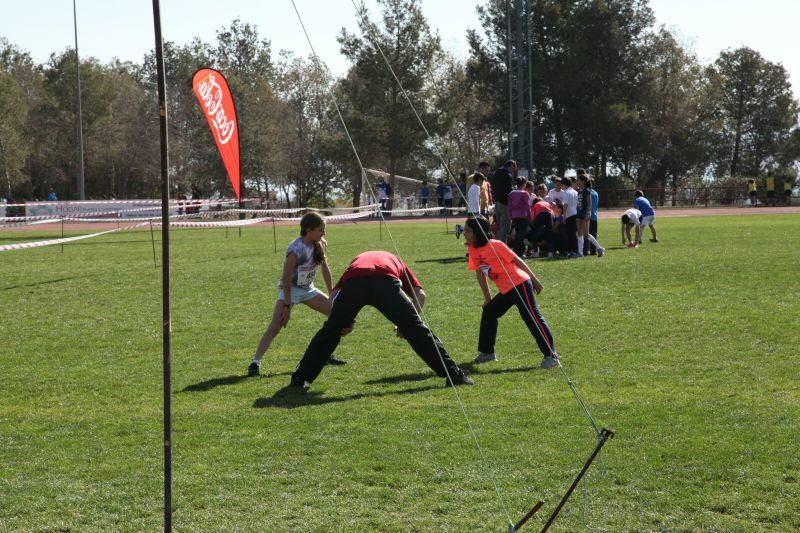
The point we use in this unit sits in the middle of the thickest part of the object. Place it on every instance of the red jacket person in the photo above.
(383, 281)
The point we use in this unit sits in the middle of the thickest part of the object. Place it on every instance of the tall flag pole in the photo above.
(81, 188)
(165, 284)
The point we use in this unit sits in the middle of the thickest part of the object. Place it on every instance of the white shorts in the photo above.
(648, 220)
(301, 294)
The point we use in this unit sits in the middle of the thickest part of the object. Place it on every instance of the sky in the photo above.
(124, 28)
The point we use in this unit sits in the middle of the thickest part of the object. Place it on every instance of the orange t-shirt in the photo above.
(486, 257)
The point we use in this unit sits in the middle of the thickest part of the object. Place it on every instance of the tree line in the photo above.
(610, 91)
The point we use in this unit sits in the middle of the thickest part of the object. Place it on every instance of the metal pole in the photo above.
(508, 72)
(81, 191)
(605, 434)
(62, 234)
(529, 22)
(167, 322)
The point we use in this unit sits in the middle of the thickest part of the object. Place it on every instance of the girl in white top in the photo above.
(474, 194)
(296, 285)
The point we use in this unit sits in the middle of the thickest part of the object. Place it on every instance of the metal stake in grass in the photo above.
(153, 241)
(274, 237)
(512, 528)
(605, 434)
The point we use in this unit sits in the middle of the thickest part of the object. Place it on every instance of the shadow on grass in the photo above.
(45, 282)
(445, 260)
(229, 380)
(213, 383)
(478, 370)
(292, 397)
(400, 379)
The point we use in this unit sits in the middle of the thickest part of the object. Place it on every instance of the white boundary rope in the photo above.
(50, 242)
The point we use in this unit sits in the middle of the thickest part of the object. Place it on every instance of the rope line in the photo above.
(485, 461)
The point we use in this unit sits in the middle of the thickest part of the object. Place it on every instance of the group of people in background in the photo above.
(772, 195)
(554, 220)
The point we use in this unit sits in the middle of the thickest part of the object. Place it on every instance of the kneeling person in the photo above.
(383, 281)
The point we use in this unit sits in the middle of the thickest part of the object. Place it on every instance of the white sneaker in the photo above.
(485, 358)
(549, 362)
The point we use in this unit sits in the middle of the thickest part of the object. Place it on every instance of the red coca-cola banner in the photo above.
(214, 95)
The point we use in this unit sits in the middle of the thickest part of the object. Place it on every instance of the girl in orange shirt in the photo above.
(517, 285)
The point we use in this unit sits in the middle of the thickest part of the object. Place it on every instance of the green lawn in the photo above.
(687, 348)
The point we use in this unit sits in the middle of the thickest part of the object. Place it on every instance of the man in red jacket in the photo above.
(383, 281)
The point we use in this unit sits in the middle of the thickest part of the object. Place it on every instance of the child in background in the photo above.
(296, 285)
(584, 215)
(517, 285)
(752, 192)
(425, 194)
(474, 194)
(648, 215)
(630, 218)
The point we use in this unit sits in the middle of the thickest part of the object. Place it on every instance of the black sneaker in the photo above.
(335, 361)
(462, 379)
(653, 240)
(298, 383)
(253, 369)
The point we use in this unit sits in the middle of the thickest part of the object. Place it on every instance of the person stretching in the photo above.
(383, 281)
(517, 285)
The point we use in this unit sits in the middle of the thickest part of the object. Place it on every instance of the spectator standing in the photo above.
(502, 184)
(425, 194)
(569, 197)
(486, 194)
(440, 193)
(584, 213)
(771, 190)
(448, 195)
(462, 187)
(474, 194)
(752, 192)
(590, 248)
(384, 191)
(519, 211)
(787, 190)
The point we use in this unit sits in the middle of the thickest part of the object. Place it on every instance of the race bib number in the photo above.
(305, 275)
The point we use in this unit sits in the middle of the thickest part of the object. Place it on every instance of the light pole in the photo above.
(81, 190)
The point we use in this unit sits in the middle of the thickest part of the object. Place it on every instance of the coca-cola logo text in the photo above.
(211, 95)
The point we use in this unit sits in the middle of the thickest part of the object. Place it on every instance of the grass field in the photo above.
(688, 348)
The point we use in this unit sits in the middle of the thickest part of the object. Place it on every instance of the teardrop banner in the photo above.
(214, 95)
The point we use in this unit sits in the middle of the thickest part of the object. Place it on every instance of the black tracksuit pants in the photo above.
(572, 233)
(520, 231)
(543, 231)
(386, 295)
(524, 298)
